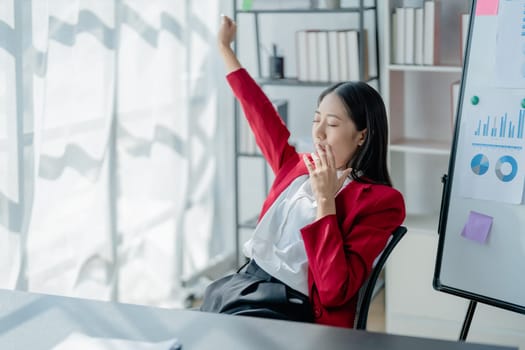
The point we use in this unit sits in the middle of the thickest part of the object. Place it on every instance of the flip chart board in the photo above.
(481, 252)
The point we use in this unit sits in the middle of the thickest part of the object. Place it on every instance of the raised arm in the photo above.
(227, 31)
(271, 134)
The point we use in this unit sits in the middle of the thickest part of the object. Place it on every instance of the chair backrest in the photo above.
(368, 289)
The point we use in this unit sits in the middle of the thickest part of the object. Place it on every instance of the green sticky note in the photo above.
(247, 4)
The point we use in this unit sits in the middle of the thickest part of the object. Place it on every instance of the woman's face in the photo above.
(332, 126)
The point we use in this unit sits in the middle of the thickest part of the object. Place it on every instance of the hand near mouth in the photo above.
(323, 178)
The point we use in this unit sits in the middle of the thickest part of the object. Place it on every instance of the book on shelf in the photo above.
(418, 36)
(352, 39)
(363, 40)
(313, 55)
(302, 55)
(342, 51)
(464, 20)
(398, 30)
(331, 55)
(247, 144)
(281, 105)
(415, 34)
(323, 56)
(246, 139)
(454, 100)
(431, 32)
(409, 31)
(335, 74)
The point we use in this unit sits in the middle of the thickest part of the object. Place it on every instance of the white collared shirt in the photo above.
(276, 244)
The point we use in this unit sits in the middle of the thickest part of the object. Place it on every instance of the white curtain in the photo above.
(109, 146)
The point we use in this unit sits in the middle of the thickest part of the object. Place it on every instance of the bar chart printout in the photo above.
(491, 152)
(502, 127)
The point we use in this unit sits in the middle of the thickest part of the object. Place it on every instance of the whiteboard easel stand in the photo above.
(468, 320)
(472, 305)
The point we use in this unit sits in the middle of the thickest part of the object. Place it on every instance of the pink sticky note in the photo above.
(477, 227)
(487, 7)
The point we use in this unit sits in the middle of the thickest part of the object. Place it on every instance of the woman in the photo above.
(328, 215)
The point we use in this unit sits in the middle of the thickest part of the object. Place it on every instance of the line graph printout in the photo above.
(491, 155)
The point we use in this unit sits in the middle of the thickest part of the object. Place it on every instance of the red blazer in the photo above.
(341, 247)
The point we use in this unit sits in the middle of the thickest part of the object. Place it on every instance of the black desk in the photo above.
(35, 321)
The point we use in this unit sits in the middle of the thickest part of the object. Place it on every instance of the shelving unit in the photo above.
(418, 101)
(360, 10)
(365, 10)
(419, 107)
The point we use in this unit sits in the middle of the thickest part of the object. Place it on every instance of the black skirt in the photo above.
(253, 292)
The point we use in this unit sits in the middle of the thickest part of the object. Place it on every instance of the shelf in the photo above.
(422, 146)
(296, 82)
(250, 223)
(249, 155)
(423, 223)
(292, 82)
(429, 69)
(308, 10)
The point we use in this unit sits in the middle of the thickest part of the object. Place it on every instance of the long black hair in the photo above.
(367, 110)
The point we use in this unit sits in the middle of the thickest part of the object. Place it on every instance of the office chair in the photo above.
(367, 290)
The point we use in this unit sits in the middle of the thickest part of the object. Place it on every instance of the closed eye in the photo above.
(317, 117)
